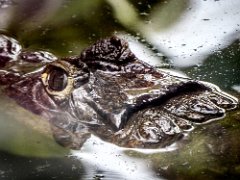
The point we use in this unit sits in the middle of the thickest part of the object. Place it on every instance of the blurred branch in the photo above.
(30, 14)
(126, 14)
(167, 13)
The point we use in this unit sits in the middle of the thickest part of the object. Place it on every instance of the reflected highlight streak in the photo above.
(99, 156)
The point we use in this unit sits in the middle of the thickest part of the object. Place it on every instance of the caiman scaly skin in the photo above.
(109, 92)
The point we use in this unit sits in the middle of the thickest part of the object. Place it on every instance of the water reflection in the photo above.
(236, 88)
(23, 168)
(220, 68)
(206, 26)
(115, 162)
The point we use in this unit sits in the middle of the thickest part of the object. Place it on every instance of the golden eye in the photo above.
(57, 79)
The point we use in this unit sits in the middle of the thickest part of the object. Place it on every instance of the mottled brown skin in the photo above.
(108, 92)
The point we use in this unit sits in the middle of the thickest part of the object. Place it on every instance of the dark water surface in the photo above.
(198, 38)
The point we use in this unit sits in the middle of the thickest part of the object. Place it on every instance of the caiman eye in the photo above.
(57, 79)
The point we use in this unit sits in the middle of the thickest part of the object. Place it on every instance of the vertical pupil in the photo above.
(57, 79)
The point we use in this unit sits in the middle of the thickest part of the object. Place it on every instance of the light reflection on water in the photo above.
(114, 162)
(205, 27)
(236, 88)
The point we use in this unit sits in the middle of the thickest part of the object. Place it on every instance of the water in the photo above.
(197, 38)
(113, 161)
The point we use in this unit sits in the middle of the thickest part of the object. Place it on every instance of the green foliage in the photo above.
(25, 134)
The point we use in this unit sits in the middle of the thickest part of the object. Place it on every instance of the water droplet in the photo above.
(74, 16)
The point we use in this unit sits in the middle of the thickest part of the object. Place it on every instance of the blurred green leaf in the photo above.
(26, 134)
(167, 13)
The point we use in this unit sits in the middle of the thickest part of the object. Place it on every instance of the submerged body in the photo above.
(108, 92)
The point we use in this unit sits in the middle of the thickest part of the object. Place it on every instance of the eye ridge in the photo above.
(57, 79)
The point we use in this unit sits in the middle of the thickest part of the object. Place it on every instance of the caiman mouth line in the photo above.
(144, 102)
(148, 102)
